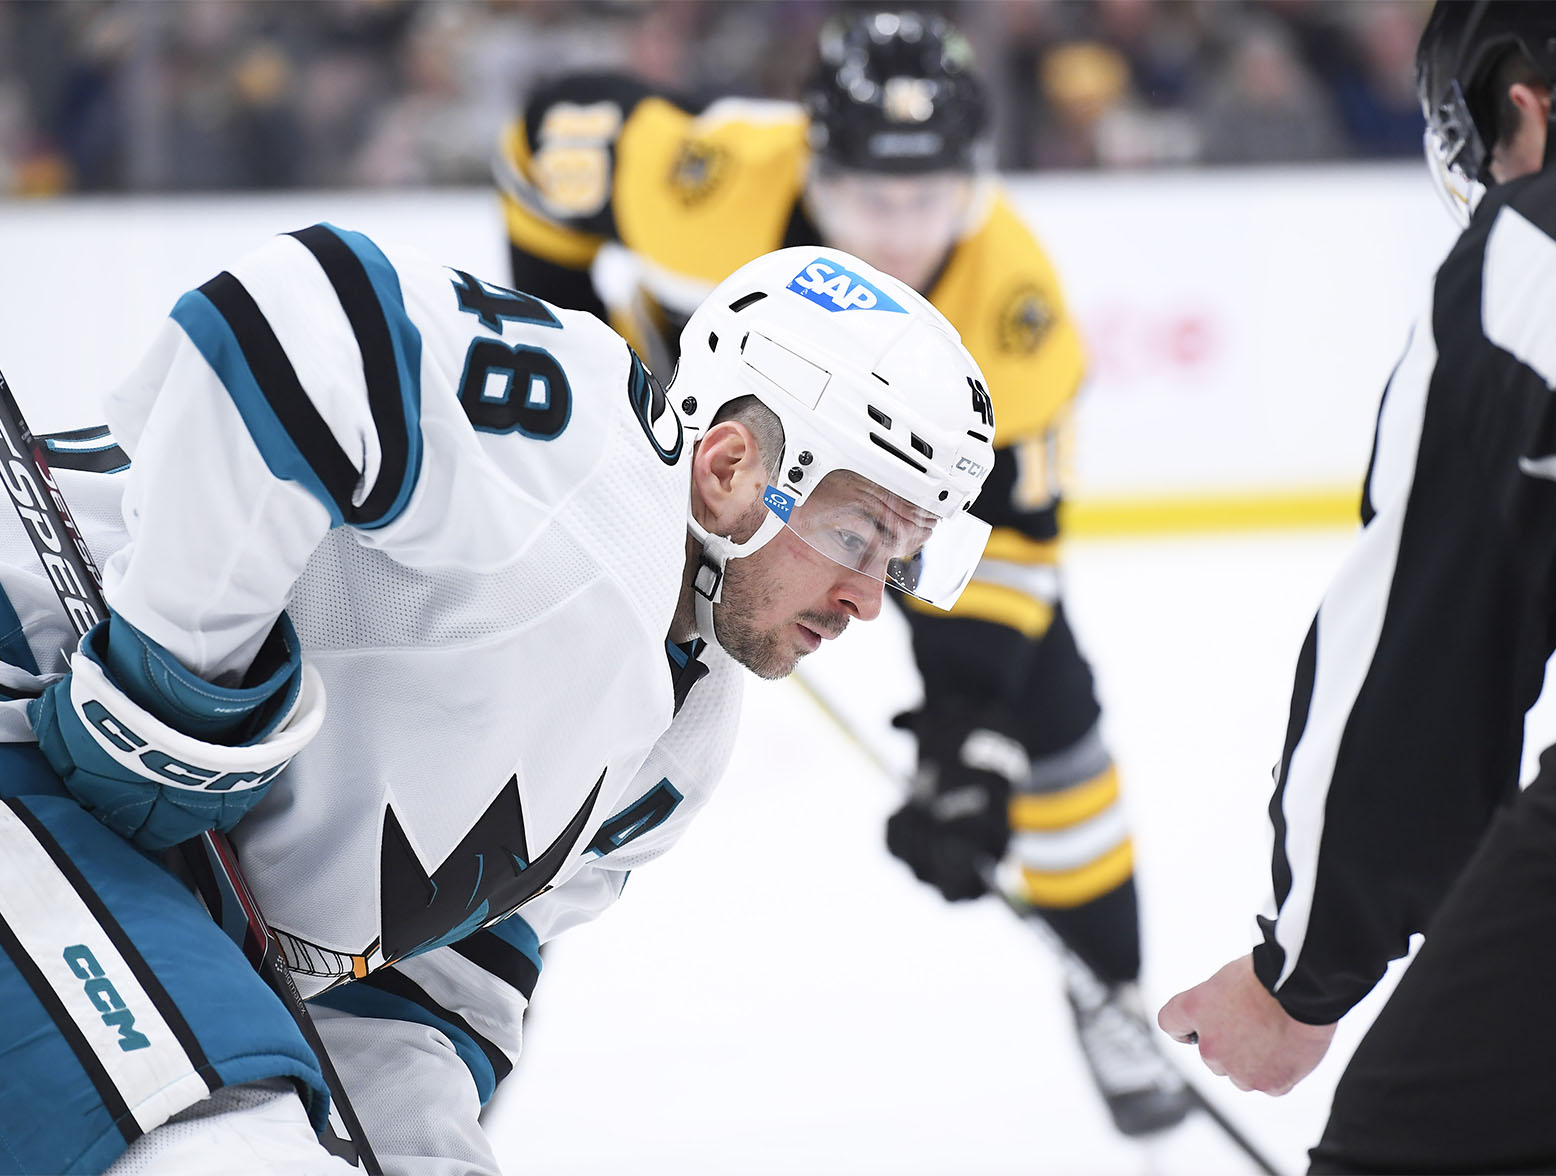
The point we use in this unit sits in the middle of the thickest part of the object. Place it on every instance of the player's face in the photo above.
(901, 224)
(816, 575)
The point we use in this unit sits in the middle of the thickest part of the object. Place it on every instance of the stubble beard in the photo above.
(760, 651)
(748, 591)
(768, 653)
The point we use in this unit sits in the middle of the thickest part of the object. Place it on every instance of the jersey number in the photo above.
(651, 810)
(506, 389)
(518, 388)
(572, 163)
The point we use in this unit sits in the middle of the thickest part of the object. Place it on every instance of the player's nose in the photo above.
(859, 594)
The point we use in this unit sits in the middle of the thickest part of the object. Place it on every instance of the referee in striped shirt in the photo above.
(1397, 808)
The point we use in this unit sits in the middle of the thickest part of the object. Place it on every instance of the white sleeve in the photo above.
(263, 415)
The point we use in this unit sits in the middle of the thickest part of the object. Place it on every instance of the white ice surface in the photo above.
(777, 995)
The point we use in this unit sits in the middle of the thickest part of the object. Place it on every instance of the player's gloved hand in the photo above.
(158, 754)
(956, 824)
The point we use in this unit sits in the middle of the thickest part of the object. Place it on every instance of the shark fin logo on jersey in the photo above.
(778, 502)
(834, 288)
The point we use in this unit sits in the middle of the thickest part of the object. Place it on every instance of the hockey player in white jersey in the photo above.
(523, 578)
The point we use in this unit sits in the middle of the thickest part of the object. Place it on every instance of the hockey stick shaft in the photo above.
(1067, 956)
(77, 582)
(1076, 965)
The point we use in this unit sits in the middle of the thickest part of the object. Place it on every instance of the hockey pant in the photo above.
(124, 1004)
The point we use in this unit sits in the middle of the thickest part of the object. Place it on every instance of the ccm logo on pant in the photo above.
(104, 997)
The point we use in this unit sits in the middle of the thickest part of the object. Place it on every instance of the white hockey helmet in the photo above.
(867, 378)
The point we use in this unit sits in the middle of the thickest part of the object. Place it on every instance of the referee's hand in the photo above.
(1242, 1031)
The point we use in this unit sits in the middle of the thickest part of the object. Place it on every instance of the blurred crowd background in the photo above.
(200, 95)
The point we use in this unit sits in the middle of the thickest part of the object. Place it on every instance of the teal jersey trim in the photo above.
(212, 335)
(405, 341)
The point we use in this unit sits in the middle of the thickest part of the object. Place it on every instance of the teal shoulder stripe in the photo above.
(212, 335)
(405, 339)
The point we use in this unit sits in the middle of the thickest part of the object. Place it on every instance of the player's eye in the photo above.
(852, 542)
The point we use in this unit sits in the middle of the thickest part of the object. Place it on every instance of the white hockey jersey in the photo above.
(472, 505)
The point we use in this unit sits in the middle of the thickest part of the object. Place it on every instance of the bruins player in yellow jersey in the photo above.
(633, 203)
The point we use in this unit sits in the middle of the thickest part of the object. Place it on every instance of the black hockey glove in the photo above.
(956, 825)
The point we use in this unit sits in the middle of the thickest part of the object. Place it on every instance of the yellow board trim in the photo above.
(1072, 888)
(1051, 811)
(1176, 514)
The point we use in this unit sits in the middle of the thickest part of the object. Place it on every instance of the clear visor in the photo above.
(866, 529)
(1460, 193)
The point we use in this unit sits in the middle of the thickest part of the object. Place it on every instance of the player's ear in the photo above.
(728, 477)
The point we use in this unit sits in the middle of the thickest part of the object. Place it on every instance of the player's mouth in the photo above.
(809, 638)
(814, 635)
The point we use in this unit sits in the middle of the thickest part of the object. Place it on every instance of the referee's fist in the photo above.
(1243, 1033)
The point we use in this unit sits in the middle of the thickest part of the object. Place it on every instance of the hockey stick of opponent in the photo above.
(210, 859)
(1073, 964)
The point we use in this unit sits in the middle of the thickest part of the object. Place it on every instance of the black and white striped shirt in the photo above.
(1406, 723)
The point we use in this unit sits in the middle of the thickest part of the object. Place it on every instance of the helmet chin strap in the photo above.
(717, 551)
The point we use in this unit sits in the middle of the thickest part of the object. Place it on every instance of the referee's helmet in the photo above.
(1457, 68)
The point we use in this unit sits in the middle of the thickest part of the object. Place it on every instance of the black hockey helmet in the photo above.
(897, 92)
(1463, 42)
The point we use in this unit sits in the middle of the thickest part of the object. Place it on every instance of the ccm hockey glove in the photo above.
(160, 755)
(956, 825)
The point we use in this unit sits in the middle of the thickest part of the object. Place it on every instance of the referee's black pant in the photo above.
(1458, 1073)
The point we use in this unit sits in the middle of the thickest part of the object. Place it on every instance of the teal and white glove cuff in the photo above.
(143, 777)
(151, 676)
(141, 743)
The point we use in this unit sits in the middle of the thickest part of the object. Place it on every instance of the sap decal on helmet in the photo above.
(897, 92)
(888, 428)
(1460, 48)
